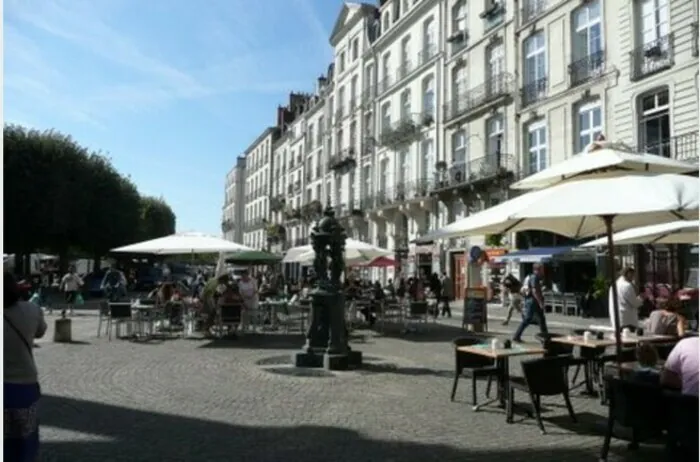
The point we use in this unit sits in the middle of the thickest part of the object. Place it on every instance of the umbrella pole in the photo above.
(608, 219)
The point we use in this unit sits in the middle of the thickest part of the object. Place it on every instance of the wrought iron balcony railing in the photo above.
(532, 9)
(428, 52)
(292, 214)
(368, 94)
(404, 69)
(226, 226)
(277, 203)
(475, 171)
(652, 57)
(385, 83)
(586, 69)
(312, 210)
(534, 91)
(404, 131)
(480, 98)
(254, 224)
(343, 159)
(681, 147)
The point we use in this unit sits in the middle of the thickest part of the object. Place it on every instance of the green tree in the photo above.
(157, 218)
(113, 214)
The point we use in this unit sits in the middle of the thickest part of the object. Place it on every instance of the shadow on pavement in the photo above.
(121, 434)
(264, 341)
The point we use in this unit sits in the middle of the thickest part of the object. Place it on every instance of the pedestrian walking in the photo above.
(446, 294)
(533, 303)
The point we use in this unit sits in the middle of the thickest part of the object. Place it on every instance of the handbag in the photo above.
(19, 334)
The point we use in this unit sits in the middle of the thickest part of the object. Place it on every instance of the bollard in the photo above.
(63, 332)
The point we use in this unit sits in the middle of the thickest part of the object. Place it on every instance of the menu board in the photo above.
(475, 308)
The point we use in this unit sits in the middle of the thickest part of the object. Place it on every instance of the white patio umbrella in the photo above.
(603, 159)
(675, 232)
(601, 206)
(183, 243)
(355, 252)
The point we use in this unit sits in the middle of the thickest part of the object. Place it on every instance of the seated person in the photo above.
(681, 368)
(667, 320)
(648, 360)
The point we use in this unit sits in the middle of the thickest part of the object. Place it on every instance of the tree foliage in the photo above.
(61, 197)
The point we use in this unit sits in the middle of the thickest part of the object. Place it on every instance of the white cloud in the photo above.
(225, 33)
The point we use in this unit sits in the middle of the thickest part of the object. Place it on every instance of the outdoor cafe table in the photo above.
(594, 343)
(501, 356)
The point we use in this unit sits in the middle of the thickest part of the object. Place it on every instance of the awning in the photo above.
(544, 254)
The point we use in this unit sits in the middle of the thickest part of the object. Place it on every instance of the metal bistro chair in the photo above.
(229, 317)
(473, 366)
(416, 313)
(119, 315)
(570, 303)
(391, 312)
(541, 377)
(635, 405)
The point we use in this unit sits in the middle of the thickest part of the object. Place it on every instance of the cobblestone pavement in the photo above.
(191, 400)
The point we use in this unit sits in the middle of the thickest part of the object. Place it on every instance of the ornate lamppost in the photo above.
(327, 336)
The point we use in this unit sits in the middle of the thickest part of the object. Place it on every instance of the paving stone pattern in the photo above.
(192, 400)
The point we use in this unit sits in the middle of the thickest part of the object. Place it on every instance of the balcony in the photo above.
(458, 42)
(255, 224)
(531, 10)
(586, 69)
(351, 209)
(404, 69)
(533, 92)
(311, 211)
(681, 147)
(474, 174)
(412, 190)
(405, 131)
(478, 100)
(277, 203)
(385, 83)
(694, 39)
(226, 226)
(343, 161)
(292, 214)
(275, 233)
(652, 57)
(368, 95)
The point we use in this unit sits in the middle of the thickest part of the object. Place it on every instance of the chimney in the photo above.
(280, 117)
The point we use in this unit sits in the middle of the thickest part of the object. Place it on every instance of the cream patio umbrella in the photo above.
(183, 243)
(356, 252)
(604, 159)
(675, 232)
(602, 206)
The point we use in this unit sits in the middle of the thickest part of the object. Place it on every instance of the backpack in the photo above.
(525, 288)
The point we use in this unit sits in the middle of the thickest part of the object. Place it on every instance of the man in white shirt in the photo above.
(627, 299)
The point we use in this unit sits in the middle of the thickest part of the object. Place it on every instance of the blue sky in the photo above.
(173, 90)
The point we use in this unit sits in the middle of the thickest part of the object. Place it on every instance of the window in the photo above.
(406, 104)
(653, 20)
(367, 175)
(397, 10)
(339, 140)
(428, 159)
(429, 96)
(341, 62)
(386, 71)
(654, 123)
(460, 153)
(535, 77)
(353, 91)
(494, 133)
(587, 41)
(319, 131)
(351, 187)
(405, 166)
(341, 102)
(385, 176)
(535, 58)
(589, 125)
(353, 134)
(310, 136)
(459, 17)
(494, 13)
(653, 52)
(537, 147)
(355, 49)
(386, 22)
(386, 116)
(429, 37)
(405, 56)
(318, 192)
